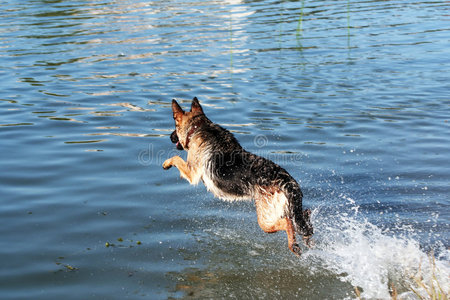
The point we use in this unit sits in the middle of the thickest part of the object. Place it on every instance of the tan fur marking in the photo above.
(267, 200)
(270, 205)
(182, 166)
(191, 169)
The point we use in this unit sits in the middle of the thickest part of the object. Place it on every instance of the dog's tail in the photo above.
(300, 218)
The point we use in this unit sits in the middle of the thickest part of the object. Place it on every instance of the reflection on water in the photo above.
(350, 97)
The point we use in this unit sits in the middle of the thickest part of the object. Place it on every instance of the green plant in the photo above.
(429, 288)
(300, 25)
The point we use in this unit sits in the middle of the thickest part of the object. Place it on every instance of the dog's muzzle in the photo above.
(174, 139)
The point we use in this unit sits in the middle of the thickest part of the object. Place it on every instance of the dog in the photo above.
(215, 157)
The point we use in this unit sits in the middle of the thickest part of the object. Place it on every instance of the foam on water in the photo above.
(373, 260)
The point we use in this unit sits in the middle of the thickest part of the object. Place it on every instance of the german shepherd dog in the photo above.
(231, 173)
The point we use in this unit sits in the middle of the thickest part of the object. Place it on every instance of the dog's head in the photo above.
(184, 121)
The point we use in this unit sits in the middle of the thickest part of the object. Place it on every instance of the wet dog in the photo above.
(231, 173)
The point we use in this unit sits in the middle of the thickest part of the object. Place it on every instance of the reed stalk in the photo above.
(299, 33)
(431, 288)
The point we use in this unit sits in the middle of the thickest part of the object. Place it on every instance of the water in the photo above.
(351, 97)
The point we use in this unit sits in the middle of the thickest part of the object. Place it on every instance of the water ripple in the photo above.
(350, 97)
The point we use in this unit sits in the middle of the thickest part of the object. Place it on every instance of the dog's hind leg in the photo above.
(286, 225)
(282, 224)
(292, 243)
(269, 209)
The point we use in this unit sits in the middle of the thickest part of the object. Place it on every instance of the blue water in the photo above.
(351, 97)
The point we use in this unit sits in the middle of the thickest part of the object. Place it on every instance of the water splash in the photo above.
(375, 260)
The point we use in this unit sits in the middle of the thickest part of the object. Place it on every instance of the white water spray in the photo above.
(374, 261)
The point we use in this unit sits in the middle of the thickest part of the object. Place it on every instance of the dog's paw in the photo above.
(167, 165)
(296, 249)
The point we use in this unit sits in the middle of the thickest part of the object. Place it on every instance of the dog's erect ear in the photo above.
(177, 110)
(195, 106)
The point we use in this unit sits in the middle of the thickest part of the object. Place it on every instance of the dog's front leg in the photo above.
(181, 165)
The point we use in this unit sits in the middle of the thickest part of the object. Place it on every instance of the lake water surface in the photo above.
(351, 97)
